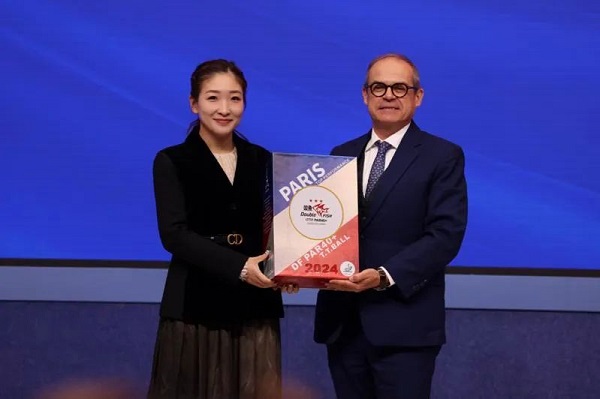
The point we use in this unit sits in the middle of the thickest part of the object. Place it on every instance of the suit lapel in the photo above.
(405, 155)
(246, 161)
(205, 161)
(361, 165)
(359, 153)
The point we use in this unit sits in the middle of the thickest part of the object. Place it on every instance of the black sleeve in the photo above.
(175, 234)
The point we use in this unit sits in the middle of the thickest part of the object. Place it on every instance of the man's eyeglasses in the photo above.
(399, 90)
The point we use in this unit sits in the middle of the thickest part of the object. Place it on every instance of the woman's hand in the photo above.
(253, 274)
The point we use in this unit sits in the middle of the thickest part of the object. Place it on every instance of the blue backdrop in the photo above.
(91, 90)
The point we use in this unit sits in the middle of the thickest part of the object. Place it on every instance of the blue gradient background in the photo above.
(90, 91)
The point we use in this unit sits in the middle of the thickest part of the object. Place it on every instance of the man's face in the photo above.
(390, 113)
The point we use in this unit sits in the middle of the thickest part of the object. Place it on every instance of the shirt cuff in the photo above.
(390, 279)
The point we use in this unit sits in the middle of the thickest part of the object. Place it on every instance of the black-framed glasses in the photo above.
(378, 89)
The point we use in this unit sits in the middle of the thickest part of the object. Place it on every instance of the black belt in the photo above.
(232, 239)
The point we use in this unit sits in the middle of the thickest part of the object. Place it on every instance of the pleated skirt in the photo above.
(192, 361)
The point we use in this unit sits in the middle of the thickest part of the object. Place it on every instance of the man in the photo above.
(385, 326)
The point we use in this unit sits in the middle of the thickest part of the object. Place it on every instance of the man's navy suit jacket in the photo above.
(413, 224)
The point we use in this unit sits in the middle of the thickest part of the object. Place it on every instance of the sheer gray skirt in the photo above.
(193, 361)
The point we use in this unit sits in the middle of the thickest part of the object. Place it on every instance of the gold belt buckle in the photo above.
(235, 239)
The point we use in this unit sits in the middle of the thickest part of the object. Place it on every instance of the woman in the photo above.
(218, 335)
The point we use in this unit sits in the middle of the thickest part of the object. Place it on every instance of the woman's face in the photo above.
(220, 105)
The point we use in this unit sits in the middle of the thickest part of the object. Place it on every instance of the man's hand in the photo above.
(254, 276)
(364, 280)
